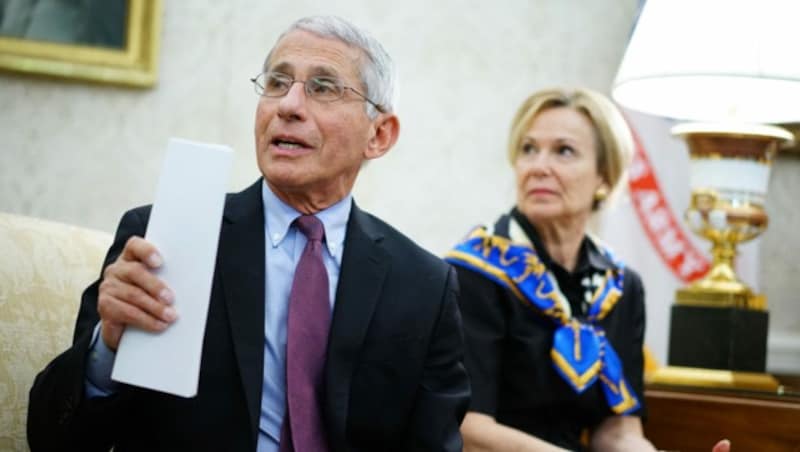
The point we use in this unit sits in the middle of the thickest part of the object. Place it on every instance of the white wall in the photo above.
(84, 153)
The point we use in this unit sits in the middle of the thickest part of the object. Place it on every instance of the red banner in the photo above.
(658, 220)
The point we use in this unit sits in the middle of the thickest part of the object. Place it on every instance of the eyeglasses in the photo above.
(321, 89)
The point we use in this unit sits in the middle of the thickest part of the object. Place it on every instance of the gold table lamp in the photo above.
(730, 167)
(729, 67)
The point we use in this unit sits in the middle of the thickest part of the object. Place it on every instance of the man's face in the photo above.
(310, 152)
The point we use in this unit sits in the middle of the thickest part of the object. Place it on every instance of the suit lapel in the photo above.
(243, 271)
(365, 264)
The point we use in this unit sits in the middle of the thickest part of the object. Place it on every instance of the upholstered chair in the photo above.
(44, 267)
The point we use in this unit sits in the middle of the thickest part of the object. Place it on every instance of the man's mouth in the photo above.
(289, 142)
(286, 144)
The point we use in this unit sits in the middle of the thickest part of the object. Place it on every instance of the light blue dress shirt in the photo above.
(283, 246)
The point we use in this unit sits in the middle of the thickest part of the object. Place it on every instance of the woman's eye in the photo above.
(527, 148)
(566, 150)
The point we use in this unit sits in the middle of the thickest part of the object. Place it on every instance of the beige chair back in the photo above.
(44, 267)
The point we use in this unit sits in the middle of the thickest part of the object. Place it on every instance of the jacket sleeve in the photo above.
(482, 309)
(445, 391)
(633, 362)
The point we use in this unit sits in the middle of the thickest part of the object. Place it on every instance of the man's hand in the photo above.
(131, 295)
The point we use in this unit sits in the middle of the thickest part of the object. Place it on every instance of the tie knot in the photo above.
(311, 227)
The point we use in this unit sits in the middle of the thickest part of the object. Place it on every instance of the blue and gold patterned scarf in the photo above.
(581, 353)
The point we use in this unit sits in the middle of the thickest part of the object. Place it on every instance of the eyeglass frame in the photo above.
(291, 80)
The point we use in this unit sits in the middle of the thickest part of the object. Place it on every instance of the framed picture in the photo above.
(105, 41)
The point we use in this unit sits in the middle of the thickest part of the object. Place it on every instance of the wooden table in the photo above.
(690, 419)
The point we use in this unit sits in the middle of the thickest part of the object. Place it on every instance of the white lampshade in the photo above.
(714, 60)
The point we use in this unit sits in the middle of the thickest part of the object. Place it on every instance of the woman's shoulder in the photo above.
(472, 281)
(498, 226)
(608, 252)
(633, 281)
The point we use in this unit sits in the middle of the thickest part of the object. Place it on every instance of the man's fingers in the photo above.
(111, 334)
(130, 294)
(121, 312)
(136, 274)
(116, 314)
(139, 249)
(114, 290)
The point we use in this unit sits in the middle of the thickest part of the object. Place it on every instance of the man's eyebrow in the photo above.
(324, 71)
(287, 68)
(280, 67)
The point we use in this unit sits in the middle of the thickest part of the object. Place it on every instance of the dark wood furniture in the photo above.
(691, 419)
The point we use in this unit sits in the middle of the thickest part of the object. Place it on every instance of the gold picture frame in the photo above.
(134, 65)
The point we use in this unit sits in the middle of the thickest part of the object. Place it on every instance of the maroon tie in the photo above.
(309, 322)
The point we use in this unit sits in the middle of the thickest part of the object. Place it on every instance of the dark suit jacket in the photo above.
(394, 378)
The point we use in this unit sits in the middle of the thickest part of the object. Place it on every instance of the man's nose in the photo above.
(293, 104)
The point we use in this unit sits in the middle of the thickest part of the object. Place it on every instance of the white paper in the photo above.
(184, 226)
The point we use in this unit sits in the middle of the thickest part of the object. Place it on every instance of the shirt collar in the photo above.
(278, 218)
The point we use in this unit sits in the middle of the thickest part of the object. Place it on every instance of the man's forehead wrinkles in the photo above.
(324, 69)
(313, 68)
(308, 52)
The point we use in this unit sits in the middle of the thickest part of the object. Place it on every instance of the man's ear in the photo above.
(386, 129)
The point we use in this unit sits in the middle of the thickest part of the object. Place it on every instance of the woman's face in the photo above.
(556, 167)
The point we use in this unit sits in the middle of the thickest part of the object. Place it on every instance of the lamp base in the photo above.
(713, 378)
(718, 338)
(708, 296)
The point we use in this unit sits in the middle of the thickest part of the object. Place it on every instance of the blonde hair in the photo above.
(614, 140)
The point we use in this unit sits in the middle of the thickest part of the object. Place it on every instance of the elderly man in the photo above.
(327, 329)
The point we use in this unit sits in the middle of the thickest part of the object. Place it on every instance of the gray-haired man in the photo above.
(377, 367)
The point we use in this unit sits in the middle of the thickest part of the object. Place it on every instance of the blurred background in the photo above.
(83, 153)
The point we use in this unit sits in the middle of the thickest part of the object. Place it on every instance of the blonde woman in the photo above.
(554, 321)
